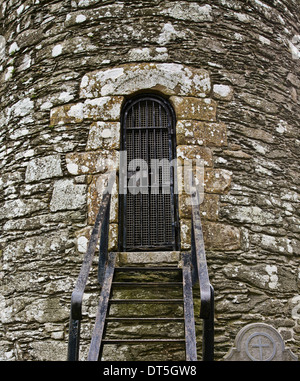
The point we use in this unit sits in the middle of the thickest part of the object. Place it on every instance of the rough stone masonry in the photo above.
(231, 71)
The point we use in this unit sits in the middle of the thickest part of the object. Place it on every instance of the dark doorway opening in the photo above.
(148, 206)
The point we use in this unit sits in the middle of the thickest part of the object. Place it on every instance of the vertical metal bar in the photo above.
(194, 266)
(157, 195)
(142, 222)
(149, 181)
(172, 199)
(74, 339)
(189, 320)
(208, 332)
(133, 195)
(124, 196)
(97, 335)
(103, 249)
(162, 157)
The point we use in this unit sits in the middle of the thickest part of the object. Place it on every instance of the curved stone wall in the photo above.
(65, 68)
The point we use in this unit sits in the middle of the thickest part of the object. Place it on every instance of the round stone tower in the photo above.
(230, 71)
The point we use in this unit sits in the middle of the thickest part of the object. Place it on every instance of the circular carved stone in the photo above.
(259, 342)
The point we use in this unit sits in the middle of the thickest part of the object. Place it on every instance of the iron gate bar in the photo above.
(149, 220)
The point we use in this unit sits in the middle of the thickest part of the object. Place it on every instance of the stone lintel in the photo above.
(168, 78)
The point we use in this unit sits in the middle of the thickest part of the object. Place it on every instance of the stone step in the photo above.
(150, 258)
(144, 329)
(155, 351)
(136, 275)
(142, 292)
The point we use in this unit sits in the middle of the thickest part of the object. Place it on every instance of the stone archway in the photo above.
(194, 99)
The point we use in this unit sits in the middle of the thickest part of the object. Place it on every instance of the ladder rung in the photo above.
(147, 284)
(147, 268)
(124, 301)
(137, 341)
(150, 319)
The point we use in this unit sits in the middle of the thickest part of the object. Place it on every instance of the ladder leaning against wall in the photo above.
(180, 270)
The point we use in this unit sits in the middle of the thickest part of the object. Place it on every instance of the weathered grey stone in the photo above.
(202, 133)
(193, 152)
(67, 195)
(251, 214)
(188, 11)
(43, 168)
(81, 163)
(104, 108)
(172, 79)
(94, 197)
(217, 180)
(61, 70)
(222, 92)
(149, 258)
(275, 244)
(194, 108)
(219, 236)
(104, 135)
(19, 207)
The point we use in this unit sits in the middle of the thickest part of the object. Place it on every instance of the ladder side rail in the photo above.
(189, 326)
(78, 291)
(200, 272)
(97, 335)
(103, 248)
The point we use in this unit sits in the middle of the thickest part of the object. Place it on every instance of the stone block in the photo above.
(169, 78)
(113, 237)
(82, 238)
(250, 214)
(104, 135)
(71, 113)
(104, 108)
(43, 168)
(156, 258)
(185, 234)
(222, 92)
(216, 236)
(194, 108)
(273, 244)
(209, 208)
(188, 11)
(94, 197)
(217, 180)
(82, 163)
(20, 207)
(193, 153)
(67, 195)
(201, 133)
(219, 236)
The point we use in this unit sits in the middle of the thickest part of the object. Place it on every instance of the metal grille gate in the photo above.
(149, 212)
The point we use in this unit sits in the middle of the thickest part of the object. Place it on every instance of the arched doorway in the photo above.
(148, 207)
